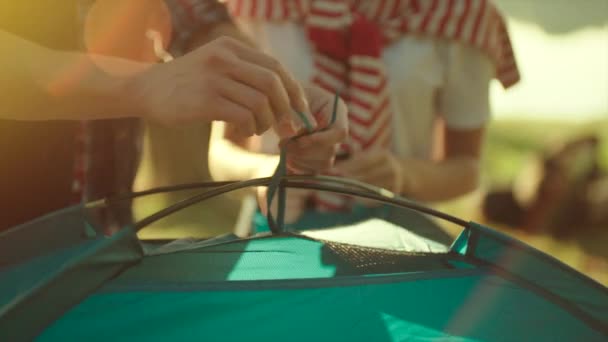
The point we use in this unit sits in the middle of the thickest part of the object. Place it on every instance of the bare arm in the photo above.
(456, 174)
(41, 84)
(463, 102)
(37, 83)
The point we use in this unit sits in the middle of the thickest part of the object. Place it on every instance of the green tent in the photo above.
(369, 279)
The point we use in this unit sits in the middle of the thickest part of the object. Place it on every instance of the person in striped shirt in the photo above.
(411, 62)
(414, 73)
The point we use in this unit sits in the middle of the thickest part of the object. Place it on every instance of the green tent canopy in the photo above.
(374, 279)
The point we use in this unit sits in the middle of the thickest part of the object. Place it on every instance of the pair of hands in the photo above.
(229, 81)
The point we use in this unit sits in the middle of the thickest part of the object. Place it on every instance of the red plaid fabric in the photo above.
(348, 38)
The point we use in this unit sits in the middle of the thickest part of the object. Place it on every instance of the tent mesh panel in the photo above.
(376, 260)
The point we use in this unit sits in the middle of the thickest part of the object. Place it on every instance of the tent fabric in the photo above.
(52, 263)
(271, 258)
(556, 278)
(293, 287)
(34, 294)
(375, 232)
(44, 235)
(250, 290)
(465, 307)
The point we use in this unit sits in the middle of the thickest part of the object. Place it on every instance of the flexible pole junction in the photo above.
(277, 186)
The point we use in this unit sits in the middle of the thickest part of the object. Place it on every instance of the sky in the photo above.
(564, 75)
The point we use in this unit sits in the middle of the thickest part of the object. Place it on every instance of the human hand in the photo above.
(295, 198)
(223, 80)
(377, 167)
(316, 152)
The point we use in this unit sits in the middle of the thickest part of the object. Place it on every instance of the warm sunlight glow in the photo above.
(121, 28)
(564, 76)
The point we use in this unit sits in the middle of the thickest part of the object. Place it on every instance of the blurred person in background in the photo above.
(415, 75)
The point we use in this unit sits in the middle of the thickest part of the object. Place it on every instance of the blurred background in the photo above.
(562, 50)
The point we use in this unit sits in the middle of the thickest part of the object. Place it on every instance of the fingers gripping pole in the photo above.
(276, 185)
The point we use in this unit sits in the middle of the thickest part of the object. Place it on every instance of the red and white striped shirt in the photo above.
(473, 22)
(447, 46)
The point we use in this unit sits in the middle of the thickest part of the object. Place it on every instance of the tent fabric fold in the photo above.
(73, 283)
(45, 284)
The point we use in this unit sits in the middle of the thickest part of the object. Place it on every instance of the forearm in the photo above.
(440, 181)
(42, 84)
